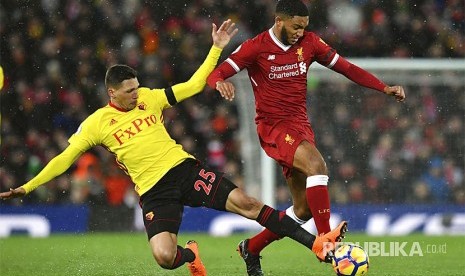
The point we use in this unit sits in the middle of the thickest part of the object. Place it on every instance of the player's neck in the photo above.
(277, 33)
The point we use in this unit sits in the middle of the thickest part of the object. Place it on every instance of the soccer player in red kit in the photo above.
(277, 61)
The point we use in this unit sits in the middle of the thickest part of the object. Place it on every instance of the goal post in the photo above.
(260, 171)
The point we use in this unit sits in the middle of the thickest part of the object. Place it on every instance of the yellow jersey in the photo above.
(138, 138)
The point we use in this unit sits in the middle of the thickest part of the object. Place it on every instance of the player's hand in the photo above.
(226, 89)
(12, 193)
(223, 35)
(396, 91)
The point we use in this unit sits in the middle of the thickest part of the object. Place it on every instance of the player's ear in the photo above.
(111, 92)
(280, 19)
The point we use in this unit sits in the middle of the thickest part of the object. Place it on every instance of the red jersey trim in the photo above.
(117, 108)
(233, 64)
(333, 61)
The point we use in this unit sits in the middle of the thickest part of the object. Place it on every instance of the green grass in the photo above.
(129, 254)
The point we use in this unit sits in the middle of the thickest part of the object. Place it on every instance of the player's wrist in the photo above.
(216, 47)
(218, 83)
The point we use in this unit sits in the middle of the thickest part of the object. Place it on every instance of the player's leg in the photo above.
(162, 225)
(164, 248)
(281, 224)
(169, 255)
(162, 214)
(309, 161)
(299, 212)
(210, 189)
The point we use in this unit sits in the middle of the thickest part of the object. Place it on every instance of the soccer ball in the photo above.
(350, 260)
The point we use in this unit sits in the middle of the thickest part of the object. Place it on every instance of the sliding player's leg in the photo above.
(162, 215)
(281, 224)
(249, 249)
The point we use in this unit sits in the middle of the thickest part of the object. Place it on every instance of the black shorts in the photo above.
(188, 184)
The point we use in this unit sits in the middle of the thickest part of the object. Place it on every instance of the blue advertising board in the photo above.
(371, 219)
(41, 220)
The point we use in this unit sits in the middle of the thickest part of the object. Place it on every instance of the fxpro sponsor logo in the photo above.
(288, 70)
(394, 248)
(124, 134)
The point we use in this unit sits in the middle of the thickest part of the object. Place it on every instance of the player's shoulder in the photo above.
(311, 36)
(260, 38)
(312, 40)
(100, 113)
(144, 91)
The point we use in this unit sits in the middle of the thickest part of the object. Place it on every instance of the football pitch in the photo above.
(129, 254)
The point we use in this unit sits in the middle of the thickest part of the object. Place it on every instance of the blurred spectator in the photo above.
(436, 181)
(117, 184)
(421, 193)
(87, 180)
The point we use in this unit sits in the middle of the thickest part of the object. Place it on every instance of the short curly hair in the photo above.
(292, 8)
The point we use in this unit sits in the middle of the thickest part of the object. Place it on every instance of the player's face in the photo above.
(125, 96)
(293, 29)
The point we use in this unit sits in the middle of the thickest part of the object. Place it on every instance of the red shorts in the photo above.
(280, 139)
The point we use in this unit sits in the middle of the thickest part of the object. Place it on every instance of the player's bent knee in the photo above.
(164, 258)
(317, 167)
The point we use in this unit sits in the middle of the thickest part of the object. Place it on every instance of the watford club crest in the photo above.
(142, 106)
(149, 216)
(300, 54)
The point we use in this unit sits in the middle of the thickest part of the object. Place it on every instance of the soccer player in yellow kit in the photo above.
(165, 176)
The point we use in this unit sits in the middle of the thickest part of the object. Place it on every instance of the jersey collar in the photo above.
(117, 108)
(277, 42)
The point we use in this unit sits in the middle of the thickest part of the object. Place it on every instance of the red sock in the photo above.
(262, 239)
(318, 201)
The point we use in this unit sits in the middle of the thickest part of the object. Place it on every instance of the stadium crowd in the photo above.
(55, 54)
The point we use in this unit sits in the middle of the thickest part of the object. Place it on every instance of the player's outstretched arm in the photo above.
(396, 91)
(221, 37)
(12, 193)
(366, 79)
(54, 168)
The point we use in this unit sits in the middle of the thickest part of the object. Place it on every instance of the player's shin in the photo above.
(283, 226)
(265, 237)
(183, 256)
(318, 201)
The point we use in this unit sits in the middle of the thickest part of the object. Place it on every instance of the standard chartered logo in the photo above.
(288, 70)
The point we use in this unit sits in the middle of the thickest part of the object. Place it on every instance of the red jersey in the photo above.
(278, 72)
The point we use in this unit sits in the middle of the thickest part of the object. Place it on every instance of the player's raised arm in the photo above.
(54, 168)
(221, 37)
